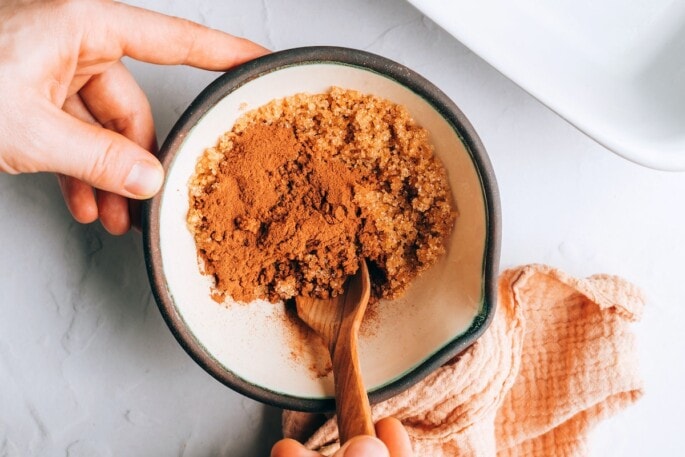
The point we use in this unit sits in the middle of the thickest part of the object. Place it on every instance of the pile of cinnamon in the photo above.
(302, 188)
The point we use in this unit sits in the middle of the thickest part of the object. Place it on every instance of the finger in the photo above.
(118, 103)
(113, 212)
(112, 209)
(291, 448)
(79, 198)
(157, 38)
(394, 435)
(102, 158)
(363, 446)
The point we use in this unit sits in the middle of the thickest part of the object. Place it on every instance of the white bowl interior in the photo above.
(251, 340)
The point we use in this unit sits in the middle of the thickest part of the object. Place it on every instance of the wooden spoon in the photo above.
(336, 320)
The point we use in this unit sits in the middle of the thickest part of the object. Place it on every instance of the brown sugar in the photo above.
(302, 188)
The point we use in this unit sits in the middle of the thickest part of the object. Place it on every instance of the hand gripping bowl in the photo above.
(246, 346)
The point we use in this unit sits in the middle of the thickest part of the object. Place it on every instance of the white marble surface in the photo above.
(88, 367)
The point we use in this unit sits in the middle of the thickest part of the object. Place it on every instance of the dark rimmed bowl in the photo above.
(248, 347)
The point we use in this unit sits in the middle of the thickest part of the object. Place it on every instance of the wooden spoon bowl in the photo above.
(336, 320)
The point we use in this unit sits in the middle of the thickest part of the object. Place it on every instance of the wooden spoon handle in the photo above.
(352, 402)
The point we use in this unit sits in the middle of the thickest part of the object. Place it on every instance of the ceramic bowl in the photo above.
(254, 348)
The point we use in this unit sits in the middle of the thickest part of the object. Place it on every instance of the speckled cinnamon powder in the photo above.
(300, 189)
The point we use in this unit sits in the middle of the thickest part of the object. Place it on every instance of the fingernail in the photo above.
(364, 447)
(144, 179)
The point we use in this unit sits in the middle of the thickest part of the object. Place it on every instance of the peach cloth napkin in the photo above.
(558, 357)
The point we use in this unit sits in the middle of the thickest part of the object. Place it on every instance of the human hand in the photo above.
(69, 105)
(392, 441)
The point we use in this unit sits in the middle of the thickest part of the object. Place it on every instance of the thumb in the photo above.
(363, 446)
(104, 159)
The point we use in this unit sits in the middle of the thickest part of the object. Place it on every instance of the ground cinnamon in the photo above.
(277, 215)
(289, 201)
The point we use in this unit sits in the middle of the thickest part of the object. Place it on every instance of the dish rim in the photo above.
(237, 77)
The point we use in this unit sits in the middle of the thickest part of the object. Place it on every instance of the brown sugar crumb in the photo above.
(303, 187)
